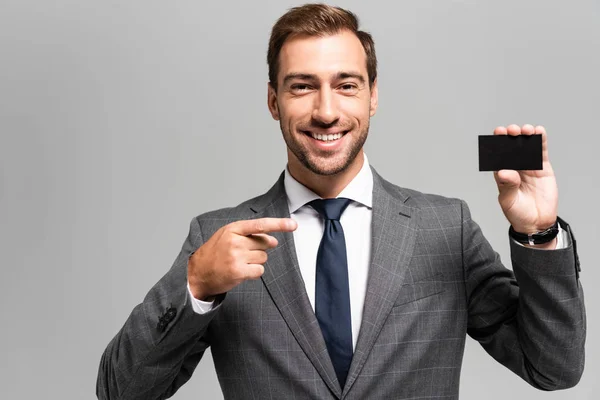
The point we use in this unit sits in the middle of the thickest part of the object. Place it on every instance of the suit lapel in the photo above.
(392, 242)
(284, 283)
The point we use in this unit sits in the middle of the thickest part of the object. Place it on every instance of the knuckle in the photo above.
(231, 257)
(231, 241)
(234, 241)
(259, 226)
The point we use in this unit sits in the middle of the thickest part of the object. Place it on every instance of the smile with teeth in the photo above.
(326, 138)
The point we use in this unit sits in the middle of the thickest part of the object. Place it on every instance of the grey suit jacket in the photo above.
(433, 279)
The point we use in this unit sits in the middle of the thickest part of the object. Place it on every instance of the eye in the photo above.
(348, 87)
(300, 87)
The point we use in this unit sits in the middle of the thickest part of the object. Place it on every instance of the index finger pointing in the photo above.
(263, 225)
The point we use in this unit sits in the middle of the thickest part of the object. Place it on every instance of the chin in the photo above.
(327, 166)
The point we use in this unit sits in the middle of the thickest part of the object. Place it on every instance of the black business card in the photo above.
(522, 152)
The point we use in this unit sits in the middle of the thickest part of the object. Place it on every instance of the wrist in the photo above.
(199, 294)
(526, 230)
(195, 285)
(534, 237)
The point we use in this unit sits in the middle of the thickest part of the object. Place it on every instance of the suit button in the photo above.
(167, 317)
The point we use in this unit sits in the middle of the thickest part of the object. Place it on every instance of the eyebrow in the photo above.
(313, 77)
(346, 75)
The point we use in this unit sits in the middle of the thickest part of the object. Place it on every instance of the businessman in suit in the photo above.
(337, 284)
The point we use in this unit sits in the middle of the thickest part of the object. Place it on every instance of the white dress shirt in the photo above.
(356, 222)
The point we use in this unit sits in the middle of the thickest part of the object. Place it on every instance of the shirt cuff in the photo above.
(199, 306)
(562, 239)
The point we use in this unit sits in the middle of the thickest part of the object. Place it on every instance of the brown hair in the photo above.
(316, 20)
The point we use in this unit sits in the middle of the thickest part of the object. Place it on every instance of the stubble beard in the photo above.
(313, 164)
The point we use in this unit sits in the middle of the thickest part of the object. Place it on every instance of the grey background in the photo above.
(110, 109)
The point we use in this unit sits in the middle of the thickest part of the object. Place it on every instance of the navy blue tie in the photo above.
(332, 295)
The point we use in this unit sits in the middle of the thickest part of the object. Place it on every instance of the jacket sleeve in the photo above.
(162, 341)
(531, 320)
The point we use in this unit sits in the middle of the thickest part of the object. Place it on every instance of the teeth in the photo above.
(326, 138)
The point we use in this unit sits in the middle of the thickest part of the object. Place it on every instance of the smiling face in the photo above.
(323, 102)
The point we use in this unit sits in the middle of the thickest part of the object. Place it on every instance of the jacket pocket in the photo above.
(420, 290)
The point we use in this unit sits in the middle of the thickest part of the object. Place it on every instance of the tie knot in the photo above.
(331, 209)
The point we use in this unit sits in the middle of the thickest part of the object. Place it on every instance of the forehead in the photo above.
(323, 56)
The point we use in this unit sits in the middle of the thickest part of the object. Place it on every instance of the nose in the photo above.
(326, 109)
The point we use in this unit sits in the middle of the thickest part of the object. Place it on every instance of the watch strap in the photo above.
(535, 238)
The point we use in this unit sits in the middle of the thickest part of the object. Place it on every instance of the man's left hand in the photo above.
(529, 199)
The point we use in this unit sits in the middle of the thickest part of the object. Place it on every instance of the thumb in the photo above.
(508, 182)
(507, 179)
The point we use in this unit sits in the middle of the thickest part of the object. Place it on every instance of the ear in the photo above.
(272, 101)
(374, 98)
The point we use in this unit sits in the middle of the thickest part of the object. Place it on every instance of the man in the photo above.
(339, 284)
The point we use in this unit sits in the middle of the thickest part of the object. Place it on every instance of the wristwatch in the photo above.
(535, 238)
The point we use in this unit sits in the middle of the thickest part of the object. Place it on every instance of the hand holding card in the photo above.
(528, 197)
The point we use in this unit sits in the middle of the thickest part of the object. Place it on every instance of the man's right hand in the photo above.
(234, 254)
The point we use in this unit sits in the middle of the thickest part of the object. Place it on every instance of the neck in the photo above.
(326, 186)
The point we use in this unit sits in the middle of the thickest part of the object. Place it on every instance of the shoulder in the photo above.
(424, 202)
(421, 200)
(433, 209)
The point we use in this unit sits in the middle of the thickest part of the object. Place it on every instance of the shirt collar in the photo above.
(360, 189)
